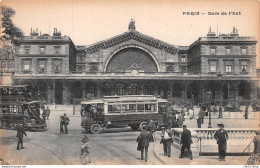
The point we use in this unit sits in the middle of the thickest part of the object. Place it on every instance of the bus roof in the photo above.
(125, 98)
(12, 86)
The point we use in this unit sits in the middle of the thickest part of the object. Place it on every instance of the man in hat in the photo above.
(257, 143)
(66, 123)
(19, 135)
(221, 136)
(167, 140)
(144, 138)
(186, 141)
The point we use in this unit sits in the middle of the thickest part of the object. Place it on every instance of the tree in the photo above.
(9, 32)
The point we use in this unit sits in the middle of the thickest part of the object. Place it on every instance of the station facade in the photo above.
(219, 67)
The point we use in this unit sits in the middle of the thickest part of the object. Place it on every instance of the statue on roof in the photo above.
(131, 25)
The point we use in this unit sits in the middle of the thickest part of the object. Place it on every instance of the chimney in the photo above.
(234, 32)
(210, 33)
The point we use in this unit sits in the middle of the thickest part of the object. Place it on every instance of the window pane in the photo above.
(212, 51)
(243, 51)
(26, 67)
(140, 107)
(228, 50)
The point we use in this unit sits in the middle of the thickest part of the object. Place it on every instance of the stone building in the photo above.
(133, 63)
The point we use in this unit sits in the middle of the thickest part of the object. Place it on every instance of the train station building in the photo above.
(132, 63)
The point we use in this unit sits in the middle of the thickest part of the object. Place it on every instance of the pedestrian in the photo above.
(84, 151)
(43, 115)
(186, 141)
(199, 121)
(48, 111)
(179, 120)
(221, 136)
(246, 112)
(19, 135)
(61, 124)
(191, 113)
(202, 114)
(143, 139)
(169, 118)
(167, 140)
(66, 123)
(257, 143)
(151, 126)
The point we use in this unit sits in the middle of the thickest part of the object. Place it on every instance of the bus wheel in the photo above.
(134, 126)
(95, 129)
(144, 123)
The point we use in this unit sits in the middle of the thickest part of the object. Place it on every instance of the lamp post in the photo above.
(209, 94)
(220, 96)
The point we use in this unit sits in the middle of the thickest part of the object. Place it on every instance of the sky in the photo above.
(90, 21)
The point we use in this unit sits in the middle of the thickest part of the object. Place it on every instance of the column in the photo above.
(49, 101)
(34, 66)
(53, 92)
(49, 66)
(98, 90)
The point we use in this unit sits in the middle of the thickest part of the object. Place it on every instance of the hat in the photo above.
(221, 125)
(184, 126)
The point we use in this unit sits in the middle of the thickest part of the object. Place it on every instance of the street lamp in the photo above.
(209, 94)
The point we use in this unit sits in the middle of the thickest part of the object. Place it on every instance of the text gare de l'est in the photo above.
(211, 13)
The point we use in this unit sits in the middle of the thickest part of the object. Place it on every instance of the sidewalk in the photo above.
(197, 160)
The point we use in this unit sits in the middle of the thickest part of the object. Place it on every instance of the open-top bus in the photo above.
(16, 105)
(115, 111)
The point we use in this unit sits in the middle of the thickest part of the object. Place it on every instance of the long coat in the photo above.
(186, 137)
(257, 144)
(221, 137)
(144, 138)
(20, 131)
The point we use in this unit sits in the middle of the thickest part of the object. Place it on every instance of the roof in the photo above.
(136, 36)
(12, 86)
(125, 98)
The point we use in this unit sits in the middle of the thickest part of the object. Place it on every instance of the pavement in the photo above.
(52, 148)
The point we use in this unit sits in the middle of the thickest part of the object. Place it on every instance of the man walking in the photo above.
(221, 136)
(144, 138)
(48, 111)
(43, 115)
(186, 142)
(167, 140)
(66, 123)
(61, 124)
(19, 135)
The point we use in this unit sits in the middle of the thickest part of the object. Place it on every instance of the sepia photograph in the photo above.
(129, 82)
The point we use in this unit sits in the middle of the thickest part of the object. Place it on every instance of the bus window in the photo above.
(150, 107)
(100, 108)
(132, 107)
(140, 107)
(115, 108)
(147, 106)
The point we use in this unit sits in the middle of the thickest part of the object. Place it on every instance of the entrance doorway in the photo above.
(58, 92)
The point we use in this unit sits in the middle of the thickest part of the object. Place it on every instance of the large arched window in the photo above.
(106, 89)
(148, 89)
(77, 90)
(120, 89)
(133, 89)
(176, 90)
(130, 59)
(91, 90)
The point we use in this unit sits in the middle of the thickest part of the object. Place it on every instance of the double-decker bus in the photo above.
(17, 105)
(116, 111)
